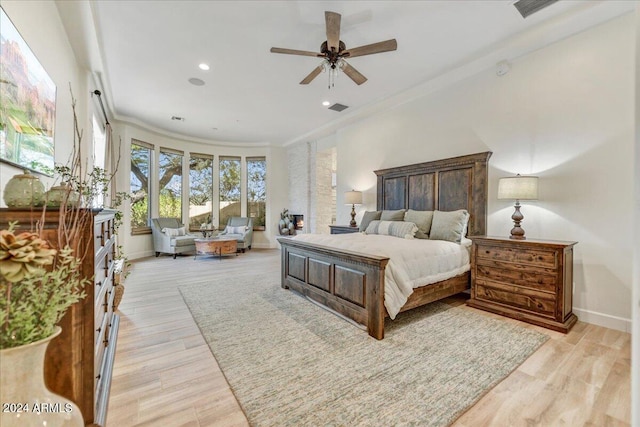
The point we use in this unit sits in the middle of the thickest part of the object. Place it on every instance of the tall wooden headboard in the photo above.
(446, 185)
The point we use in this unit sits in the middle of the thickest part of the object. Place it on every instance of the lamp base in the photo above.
(353, 223)
(517, 233)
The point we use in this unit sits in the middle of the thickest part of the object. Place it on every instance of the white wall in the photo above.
(40, 26)
(564, 113)
(277, 195)
(635, 335)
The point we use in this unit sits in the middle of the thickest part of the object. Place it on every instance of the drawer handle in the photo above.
(99, 329)
(100, 236)
(99, 283)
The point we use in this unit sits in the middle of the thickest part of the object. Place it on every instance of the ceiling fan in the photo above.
(334, 52)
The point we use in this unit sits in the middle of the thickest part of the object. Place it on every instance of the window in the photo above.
(141, 155)
(99, 152)
(170, 184)
(256, 191)
(229, 188)
(200, 190)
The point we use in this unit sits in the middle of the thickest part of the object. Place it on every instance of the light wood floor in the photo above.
(165, 375)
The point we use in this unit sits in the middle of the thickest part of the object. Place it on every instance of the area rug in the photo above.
(292, 363)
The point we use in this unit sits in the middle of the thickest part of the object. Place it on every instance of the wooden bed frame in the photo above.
(351, 283)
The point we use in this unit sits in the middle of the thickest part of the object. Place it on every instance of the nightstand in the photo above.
(343, 229)
(529, 280)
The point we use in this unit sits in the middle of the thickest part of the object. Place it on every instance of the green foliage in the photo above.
(170, 204)
(32, 307)
(139, 212)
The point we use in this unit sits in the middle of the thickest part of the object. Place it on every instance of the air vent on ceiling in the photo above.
(529, 7)
(338, 107)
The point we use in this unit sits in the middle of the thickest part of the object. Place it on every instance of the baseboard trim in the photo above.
(605, 320)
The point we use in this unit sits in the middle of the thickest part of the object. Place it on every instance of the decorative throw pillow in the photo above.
(451, 226)
(422, 219)
(173, 232)
(392, 215)
(402, 229)
(367, 218)
(236, 230)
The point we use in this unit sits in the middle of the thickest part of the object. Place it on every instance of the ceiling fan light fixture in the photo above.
(333, 51)
(204, 67)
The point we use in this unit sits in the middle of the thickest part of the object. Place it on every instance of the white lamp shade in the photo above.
(518, 188)
(353, 198)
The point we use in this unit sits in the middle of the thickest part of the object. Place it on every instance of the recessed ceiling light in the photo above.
(204, 67)
(214, 128)
(196, 82)
(326, 103)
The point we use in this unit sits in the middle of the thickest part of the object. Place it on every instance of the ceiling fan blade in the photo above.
(296, 52)
(312, 75)
(369, 49)
(332, 21)
(353, 74)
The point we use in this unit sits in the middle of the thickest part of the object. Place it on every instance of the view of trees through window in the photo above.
(200, 191)
(256, 191)
(229, 188)
(170, 187)
(202, 208)
(139, 184)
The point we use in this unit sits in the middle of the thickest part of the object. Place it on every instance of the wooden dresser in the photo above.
(79, 362)
(343, 229)
(529, 280)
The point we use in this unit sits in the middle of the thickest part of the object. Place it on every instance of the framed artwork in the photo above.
(27, 104)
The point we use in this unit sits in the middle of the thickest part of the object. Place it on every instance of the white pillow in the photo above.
(236, 230)
(402, 229)
(173, 232)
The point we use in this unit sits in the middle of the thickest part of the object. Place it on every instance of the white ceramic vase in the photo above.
(26, 401)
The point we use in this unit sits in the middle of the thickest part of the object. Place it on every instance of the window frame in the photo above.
(237, 159)
(146, 229)
(210, 157)
(170, 151)
(246, 195)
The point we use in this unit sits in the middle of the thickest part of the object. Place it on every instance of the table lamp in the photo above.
(353, 198)
(518, 188)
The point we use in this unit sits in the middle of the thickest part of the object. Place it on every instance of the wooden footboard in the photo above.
(349, 283)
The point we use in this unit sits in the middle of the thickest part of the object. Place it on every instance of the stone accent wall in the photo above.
(298, 162)
(322, 196)
(310, 190)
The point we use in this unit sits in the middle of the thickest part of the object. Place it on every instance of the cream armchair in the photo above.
(170, 237)
(241, 228)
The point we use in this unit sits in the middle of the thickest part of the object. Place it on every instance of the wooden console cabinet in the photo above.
(529, 280)
(79, 362)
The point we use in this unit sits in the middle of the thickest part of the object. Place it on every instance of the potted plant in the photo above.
(37, 286)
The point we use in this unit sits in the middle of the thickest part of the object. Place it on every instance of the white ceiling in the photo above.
(149, 49)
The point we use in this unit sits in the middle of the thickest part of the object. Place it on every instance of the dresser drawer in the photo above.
(536, 302)
(512, 275)
(536, 257)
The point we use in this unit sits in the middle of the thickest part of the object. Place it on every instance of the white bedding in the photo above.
(412, 262)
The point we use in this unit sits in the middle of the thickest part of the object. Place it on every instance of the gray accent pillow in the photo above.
(402, 229)
(367, 218)
(392, 215)
(422, 219)
(451, 226)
